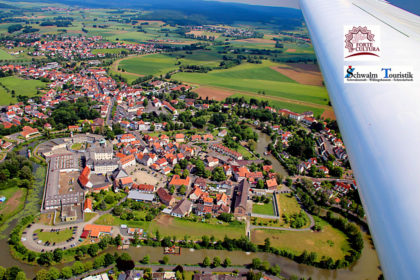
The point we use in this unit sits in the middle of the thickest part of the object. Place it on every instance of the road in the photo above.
(31, 244)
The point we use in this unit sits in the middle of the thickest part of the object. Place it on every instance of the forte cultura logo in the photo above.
(361, 43)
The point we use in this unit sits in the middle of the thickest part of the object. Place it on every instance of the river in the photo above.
(367, 267)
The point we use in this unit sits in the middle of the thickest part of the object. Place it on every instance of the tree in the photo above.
(124, 262)
(45, 258)
(58, 255)
(206, 262)
(165, 259)
(53, 273)
(12, 272)
(93, 250)
(267, 244)
(146, 259)
(118, 240)
(182, 189)
(216, 261)
(42, 274)
(2, 272)
(22, 276)
(30, 257)
(77, 268)
(108, 259)
(66, 272)
(256, 263)
(227, 262)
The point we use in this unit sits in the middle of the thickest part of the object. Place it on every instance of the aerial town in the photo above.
(109, 174)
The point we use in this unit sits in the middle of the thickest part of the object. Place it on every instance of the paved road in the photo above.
(32, 244)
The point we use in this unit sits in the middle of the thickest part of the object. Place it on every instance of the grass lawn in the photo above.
(288, 204)
(20, 86)
(76, 146)
(244, 151)
(330, 242)
(15, 199)
(89, 216)
(170, 226)
(110, 220)
(5, 55)
(263, 208)
(59, 236)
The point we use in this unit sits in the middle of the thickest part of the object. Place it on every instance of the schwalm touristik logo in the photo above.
(361, 43)
(375, 74)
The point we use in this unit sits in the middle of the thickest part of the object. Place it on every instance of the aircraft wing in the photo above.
(356, 41)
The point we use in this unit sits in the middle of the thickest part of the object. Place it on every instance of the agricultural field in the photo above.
(109, 51)
(160, 64)
(329, 242)
(171, 226)
(20, 86)
(149, 65)
(283, 89)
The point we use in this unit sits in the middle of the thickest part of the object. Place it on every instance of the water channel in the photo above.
(367, 267)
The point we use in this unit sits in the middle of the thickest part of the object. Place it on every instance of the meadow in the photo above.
(329, 242)
(15, 198)
(20, 86)
(170, 226)
(5, 55)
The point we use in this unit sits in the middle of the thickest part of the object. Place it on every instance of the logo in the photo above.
(350, 71)
(361, 43)
(376, 74)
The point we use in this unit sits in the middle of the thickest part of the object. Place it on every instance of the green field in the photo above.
(110, 220)
(287, 204)
(330, 242)
(20, 86)
(5, 55)
(57, 237)
(109, 51)
(15, 198)
(263, 208)
(282, 105)
(149, 64)
(158, 64)
(170, 226)
(254, 78)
